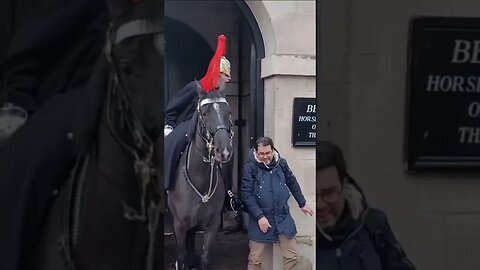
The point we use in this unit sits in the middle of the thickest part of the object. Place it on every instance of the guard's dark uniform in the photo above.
(178, 114)
(50, 59)
(53, 50)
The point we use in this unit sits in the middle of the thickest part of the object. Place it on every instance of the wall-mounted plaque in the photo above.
(443, 100)
(304, 128)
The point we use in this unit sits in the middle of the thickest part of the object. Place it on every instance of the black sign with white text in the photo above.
(304, 131)
(443, 119)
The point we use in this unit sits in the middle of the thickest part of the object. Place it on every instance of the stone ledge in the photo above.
(292, 65)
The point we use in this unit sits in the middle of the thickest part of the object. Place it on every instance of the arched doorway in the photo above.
(191, 30)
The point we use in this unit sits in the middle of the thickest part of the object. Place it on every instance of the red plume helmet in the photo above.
(211, 79)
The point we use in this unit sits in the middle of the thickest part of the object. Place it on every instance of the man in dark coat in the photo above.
(49, 60)
(350, 234)
(266, 185)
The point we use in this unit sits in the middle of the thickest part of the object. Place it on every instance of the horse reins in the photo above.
(208, 139)
(142, 150)
(205, 198)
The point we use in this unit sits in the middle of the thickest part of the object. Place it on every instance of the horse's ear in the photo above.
(200, 91)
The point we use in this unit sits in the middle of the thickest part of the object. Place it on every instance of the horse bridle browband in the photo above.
(208, 136)
(136, 28)
(212, 100)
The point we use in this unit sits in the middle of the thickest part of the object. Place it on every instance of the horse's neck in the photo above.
(113, 160)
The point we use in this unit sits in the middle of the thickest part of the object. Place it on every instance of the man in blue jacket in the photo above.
(266, 185)
(350, 234)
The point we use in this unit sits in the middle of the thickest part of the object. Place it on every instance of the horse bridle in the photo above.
(204, 133)
(207, 137)
(143, 148)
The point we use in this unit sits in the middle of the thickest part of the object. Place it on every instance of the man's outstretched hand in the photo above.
(307, 210)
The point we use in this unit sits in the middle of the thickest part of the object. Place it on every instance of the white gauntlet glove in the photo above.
(166, 130)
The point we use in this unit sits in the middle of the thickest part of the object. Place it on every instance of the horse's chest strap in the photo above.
(213, 174)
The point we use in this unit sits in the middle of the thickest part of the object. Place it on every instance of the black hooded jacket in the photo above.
(361, 240)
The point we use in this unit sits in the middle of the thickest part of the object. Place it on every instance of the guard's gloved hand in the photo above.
(237, 205)
(233, 203)
(166, 130)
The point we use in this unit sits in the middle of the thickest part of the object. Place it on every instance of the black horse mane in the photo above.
(212, 94)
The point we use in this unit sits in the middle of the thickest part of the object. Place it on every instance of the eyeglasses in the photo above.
(266, 154)
(330, 195)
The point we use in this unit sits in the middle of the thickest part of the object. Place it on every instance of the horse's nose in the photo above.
(223, 154)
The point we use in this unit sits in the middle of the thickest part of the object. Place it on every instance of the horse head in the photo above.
(135, 53)
(215, 122)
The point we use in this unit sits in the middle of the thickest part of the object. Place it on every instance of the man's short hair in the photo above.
(264, 141)
(330, 155)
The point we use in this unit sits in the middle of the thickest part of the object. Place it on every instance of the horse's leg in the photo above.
(181, 237)
(191, 247)
(208, 238)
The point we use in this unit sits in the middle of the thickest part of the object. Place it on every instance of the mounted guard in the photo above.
(196, 197)
(181, 117)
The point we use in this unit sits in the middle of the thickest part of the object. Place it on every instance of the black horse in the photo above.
(197, 195)
(107, 214)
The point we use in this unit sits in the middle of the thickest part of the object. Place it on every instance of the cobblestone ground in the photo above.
(230, 250)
